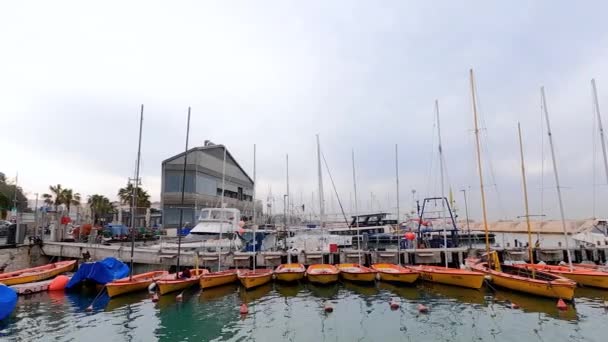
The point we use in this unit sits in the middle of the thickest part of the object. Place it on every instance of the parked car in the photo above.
(4, 227)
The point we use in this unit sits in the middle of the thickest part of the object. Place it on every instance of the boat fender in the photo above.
(422, 308)
(561, 305)
(328, 308)
(152, 287)
(59, 283)
(179, 297)
(378, 276)
(394, 304)
(606, 304)
(155, 298)
(487, 277)
(244, 309)
(514, 306)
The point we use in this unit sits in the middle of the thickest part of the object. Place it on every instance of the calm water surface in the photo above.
(295, 313)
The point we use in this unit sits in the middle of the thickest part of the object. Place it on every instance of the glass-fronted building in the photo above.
(203, 185)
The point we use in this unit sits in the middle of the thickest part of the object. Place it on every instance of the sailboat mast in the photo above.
(356, 208)
(321, 199)
(397, 191)
(181, 208)
(482, 190)
(135, 190)
(525, 186)
(601, 128)
(559, 191)
(287, 214)
(445, 234)
(253, 220)
(219, 253)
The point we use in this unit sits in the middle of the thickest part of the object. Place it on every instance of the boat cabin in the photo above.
(213, 221)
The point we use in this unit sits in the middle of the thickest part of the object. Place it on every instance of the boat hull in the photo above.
(451, 276)
(357, 273)
(169, 284)
(139, 282)
(581, 275)
(290, 272)
(395, 273)
(252, 279)
(322, 274)
(214, 279)
(36, 274)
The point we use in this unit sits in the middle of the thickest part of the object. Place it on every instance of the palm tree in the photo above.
(48, 199)
(126, 196)
(100, 206)
(56, 193)
(69, 198)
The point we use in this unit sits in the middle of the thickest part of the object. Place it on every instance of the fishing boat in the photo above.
(581, 275)
(290, 272)
(254, 278)
(357, 272)
(450, 276)
(35, 274)
(171, 282)
(395, 273)
(213, 279)
(137, 282)
(322, 274)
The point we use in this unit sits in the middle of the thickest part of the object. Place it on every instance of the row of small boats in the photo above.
(538, 279)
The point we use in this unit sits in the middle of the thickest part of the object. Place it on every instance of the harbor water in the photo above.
(280, 312)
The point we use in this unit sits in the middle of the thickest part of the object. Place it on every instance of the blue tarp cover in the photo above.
(101, 272)
(8, 301)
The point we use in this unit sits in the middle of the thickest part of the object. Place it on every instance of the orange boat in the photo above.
(35, 274)
(450, 276)
(524, 280)
(138, 282)
(356, 272)
(171, 283)
(322, 273)
(290, 272)
(219, 278)
(581, 275)
(254, 278)
(395, 273)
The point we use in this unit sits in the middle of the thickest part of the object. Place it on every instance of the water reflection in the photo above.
(362, 289)
(461, 294)
(216, 293)
(537, 304)
(122, 301)
(288, 290)
(404, 291)
(251, 295)
(328, 291)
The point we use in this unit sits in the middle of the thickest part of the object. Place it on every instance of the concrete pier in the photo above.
(59, 250)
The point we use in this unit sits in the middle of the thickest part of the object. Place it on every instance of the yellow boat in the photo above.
(255, 278)
(138, 282)
(169, 283)
(523, 280)
(213, 279)
(450, 276)
(34, 274)
(582, 275)
(322, 274)
(290, 272)
(395, 273)
(356, 272)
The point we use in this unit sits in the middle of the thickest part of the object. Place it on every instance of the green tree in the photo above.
(126, 196)
(69, 198)
(8, 194)
(100, 206)
(55, 197)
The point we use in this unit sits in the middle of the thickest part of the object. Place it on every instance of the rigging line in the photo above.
(431, 161)
(486, 147)
(334, 186)
(594, 158)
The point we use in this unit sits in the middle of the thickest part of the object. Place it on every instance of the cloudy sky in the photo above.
(364, 75)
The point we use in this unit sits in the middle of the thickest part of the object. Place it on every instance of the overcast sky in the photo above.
(362, 74)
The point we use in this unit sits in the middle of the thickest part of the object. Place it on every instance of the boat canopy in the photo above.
(100, 272)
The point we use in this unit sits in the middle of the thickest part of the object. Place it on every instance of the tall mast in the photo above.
(135, 190)
(601, 128)
(525, 186)
(219, 253)
(559, 191)
(181, 207)
(287, 214)
(253, 197)
(445, 234)
(321, 199)
(397, 191)
(397, 180)
(356, 207)
(482, 190)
